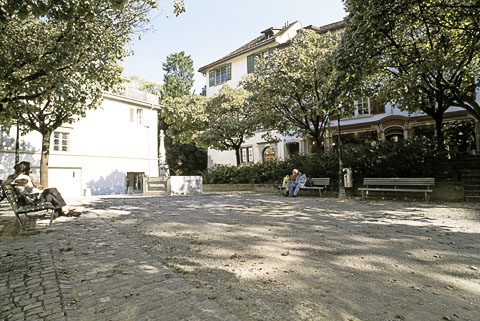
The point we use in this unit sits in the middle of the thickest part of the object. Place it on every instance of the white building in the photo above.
(370, 122)
(107, 152)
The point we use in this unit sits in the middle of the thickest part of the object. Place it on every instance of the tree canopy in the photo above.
(66, 9)
(53, 70)
(222, 122)
(421, 55)
(178, 77)
(296, 88)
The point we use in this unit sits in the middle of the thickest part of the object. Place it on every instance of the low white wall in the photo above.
(185, 185)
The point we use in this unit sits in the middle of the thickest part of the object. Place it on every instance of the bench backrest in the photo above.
(421, 181)
(11, 196)
(319, 181)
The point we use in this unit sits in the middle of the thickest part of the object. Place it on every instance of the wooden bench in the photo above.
(408, 185)
(319, 184)
(46, 207)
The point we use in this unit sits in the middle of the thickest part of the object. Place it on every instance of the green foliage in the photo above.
(385, 159)
(422, 55)
(294, 89)
(184, 157)
(178, 78)
(66, 9)
(53, 69)
(43, 57)
(223, 122)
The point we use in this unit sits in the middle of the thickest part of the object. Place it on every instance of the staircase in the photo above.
(468, 168)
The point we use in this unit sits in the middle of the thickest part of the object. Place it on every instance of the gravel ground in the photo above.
(266, 257)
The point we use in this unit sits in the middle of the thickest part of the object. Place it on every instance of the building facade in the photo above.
(369, 123)
(106, 152)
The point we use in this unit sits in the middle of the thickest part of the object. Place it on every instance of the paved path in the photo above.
(83, 269)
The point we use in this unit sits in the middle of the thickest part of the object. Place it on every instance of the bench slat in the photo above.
(385, 184)
(399, 181)
(395, 190)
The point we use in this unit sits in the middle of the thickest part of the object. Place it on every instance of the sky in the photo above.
(210, 29)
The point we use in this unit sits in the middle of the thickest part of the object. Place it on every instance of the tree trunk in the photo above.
(44, 159)
(439, 131)
(237, 155)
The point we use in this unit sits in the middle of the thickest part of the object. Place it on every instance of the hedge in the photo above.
(417, 158)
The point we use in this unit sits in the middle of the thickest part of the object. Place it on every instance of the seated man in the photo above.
(299, 182)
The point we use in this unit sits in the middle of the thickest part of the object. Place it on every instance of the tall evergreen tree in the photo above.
(183, 159)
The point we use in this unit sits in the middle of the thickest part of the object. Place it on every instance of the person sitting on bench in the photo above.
(27, 183)
(290, 181)
(299, 182)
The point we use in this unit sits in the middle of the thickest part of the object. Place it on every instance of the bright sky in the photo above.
(210, 29)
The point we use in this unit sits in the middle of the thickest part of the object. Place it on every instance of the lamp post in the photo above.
(17, 142)
(341, 185)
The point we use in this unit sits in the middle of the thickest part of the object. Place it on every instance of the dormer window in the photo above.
(362, 106)
(268, 33)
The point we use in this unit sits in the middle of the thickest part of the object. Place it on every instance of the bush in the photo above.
(417, 158)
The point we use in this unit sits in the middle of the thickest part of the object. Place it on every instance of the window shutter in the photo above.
(211, 78)
(250, 63)
(229, 72)
(132, 115)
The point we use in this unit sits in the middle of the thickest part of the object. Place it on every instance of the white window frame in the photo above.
(62, 137)
(220, 75)
(246, 155)
(139, 116)
(363, 111)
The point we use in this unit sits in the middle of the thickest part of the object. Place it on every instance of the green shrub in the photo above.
(417, 158)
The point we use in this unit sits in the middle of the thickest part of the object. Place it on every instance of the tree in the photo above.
(52, 71)
(222, 122)
(66, 9)
(296, 88)
(421, 55)
(178, 78)
(58, 28)
(182, 158)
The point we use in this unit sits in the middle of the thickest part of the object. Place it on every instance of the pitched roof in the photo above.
(268, 36)
(327, 28)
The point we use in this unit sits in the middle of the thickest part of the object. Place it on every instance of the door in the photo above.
(68, 181)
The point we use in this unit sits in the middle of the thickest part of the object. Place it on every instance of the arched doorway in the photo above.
(394, 133)
(268, 154)
(293, 148)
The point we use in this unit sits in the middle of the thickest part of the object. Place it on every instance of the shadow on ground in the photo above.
(272, 258)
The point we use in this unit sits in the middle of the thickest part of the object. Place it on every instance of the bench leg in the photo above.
(20, 221)
(53, 214)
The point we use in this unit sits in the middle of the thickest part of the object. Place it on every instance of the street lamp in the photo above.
(17, 142)
(341, 185)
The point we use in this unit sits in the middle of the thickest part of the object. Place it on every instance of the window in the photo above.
(60, 142)
(251, 59)
(136, 116)
(362, 107)
(220, 75)
(247, 155)
(140, 116)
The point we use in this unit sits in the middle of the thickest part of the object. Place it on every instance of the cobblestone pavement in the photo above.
(83, 269)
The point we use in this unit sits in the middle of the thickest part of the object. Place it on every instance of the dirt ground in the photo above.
(266, 257)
